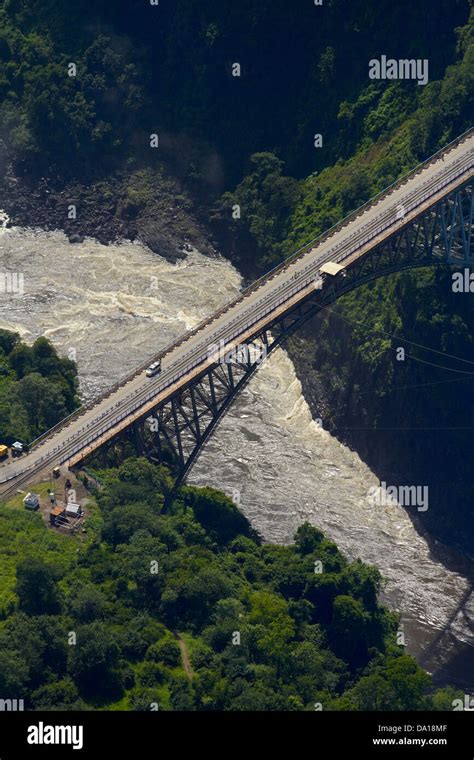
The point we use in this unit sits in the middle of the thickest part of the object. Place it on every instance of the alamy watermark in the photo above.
(46, 734)
(406, 496)
(245, 353)
(403, 68)
(12, 283)
(463, 282)
(466, 704)
(12, 705)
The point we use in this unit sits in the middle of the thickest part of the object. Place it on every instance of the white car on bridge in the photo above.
(154, 369)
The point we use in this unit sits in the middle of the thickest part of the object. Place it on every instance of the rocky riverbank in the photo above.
(144, 205)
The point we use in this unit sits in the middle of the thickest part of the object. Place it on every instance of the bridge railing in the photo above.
(360, 209)
(304, 249)
(84, 443)
(153, 394)
(254, 285)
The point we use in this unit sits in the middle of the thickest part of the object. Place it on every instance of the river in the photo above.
(112, 307)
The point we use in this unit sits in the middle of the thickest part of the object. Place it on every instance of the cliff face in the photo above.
(410, 419)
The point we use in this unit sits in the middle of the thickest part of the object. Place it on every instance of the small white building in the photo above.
(73, 509)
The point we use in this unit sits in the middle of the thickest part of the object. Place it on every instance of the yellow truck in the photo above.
(3, 451)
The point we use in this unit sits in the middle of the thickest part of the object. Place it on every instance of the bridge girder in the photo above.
(176, 430)
(442, 235)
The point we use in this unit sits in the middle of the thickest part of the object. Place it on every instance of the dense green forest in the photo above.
(167, 69)
(180, 607)
(37, 388)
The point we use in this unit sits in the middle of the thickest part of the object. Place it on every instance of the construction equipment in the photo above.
(18, 449)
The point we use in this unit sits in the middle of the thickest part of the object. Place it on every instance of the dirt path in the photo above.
(184, 656)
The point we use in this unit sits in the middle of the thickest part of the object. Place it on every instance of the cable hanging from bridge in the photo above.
(438, 366)
(470, 376)
(406, 340)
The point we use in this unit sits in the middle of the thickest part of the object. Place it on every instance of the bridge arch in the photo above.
(176, 430)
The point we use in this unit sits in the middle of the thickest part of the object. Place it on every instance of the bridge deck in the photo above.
(237, 322)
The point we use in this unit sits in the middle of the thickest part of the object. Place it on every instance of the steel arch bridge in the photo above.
(176, 430)
(423, 219)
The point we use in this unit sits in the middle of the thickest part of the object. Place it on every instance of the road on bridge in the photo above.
(239, 321)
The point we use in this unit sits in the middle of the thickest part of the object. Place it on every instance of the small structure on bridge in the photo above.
(332, 268)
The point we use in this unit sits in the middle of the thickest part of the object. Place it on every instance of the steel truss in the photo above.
(175, 431)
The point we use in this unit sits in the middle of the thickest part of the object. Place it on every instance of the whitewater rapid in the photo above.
(112, 307)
